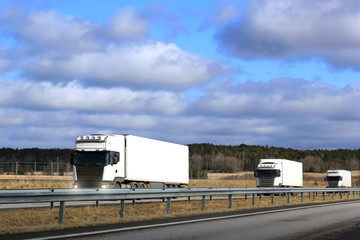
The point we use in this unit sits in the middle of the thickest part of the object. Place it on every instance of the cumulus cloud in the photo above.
(280, 98)
(73, 96)
(127, 24)
(151, 65)
(115, 53)
(45, 32)
(296, 29)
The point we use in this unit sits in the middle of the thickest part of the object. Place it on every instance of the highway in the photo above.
(327, 221)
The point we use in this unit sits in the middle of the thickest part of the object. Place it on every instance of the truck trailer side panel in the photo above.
(346, 178)
(292, 173)
(151, 160)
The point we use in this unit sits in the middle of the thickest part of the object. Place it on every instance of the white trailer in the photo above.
(127, 161)
(338, 178)
(279, 173)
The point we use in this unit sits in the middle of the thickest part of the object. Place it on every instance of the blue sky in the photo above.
(260, 72)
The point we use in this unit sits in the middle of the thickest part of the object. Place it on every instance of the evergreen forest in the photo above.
(210, 157)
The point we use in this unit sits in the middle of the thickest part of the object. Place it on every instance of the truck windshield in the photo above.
(267, 173)
(93, 158)
(333, 178)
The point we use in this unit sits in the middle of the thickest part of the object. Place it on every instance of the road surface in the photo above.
(327, 221)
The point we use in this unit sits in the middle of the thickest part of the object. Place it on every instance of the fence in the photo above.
(35, 169)
(58, 195)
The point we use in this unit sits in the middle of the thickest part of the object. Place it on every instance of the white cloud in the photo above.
(127, 24)
(147, 65)
(72, 96)
(296, 29)
(48, 32)
(115, 53)
(280, 98)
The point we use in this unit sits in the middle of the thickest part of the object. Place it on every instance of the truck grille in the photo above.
(266, 182)
(89, 176)
(333, 184)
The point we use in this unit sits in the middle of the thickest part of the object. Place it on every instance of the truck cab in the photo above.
(97, 161)
(268, 174)
(338, 178)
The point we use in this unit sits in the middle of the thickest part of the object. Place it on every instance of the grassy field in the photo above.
(30, 220)
(240, 179)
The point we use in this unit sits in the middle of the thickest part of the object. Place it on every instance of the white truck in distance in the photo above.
(279, 173)
(338, 178)
(126, 161)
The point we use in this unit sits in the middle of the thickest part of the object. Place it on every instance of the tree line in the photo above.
(246, 157)
(210, 157)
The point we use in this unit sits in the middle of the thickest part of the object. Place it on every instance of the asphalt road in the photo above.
(331, 221)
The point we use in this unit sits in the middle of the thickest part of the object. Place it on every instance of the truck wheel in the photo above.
(117, 185)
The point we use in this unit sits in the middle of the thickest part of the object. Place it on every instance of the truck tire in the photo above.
(117, 185)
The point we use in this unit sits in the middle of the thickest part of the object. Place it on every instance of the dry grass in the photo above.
(31, 220)
(41, 219)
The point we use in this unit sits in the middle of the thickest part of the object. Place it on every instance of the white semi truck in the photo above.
(127, 161)
(279, 173)
(338, 178)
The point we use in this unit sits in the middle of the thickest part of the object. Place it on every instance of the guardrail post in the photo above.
(189, 199)
(133, 202)
(323, 196)
(230, 201)
(272, 199)
(61, 212)
(210, 197)
(313, 196)
(203, 203)
(97, 203)
(288, 197)
(253, 199)
(354, 193)
(302, 197)
(340, 195)
(348, 194)
(333, 195)
(259, 196)
(168, 206)
(122, 208)
(246, 196)
(52, 205)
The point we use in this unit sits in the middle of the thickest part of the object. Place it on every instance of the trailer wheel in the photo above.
(142, 185)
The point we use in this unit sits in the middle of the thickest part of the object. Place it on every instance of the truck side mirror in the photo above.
(116, 158)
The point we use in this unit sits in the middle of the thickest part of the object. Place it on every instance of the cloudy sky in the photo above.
(259, 72)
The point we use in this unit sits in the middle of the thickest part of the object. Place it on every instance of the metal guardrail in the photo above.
(67, 195)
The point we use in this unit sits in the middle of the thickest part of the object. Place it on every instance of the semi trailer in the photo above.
(338, 178)
(279, 173)
(127, 161)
